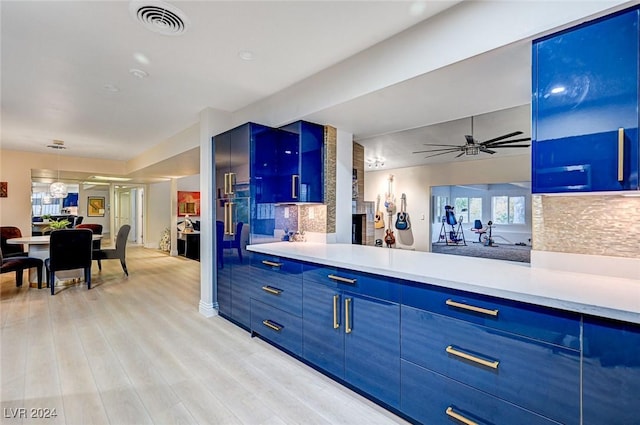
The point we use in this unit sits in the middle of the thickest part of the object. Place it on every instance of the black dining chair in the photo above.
(18, 265)
(119, 253)
(69, 249)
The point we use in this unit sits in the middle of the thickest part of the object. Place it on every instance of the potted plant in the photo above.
(60, 224)
(45, 218)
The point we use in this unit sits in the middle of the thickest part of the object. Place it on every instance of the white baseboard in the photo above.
(628, 268)
(206, 309)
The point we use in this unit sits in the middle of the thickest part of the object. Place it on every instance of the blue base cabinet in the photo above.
(443, 356)
(585, 83)
(611, 372)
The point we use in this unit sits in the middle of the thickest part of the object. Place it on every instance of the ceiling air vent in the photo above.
(159, 17)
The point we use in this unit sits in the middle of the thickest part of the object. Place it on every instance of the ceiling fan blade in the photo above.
(485, 150)
(508, 141)
(506, 136)
(460, 154)
(441, 153)
(508, 146)
(431, 144)
(452, 149)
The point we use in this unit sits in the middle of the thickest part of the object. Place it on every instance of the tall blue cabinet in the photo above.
(585, 107)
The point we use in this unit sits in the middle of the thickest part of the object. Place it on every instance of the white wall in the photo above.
(416, 183)
(158, 213)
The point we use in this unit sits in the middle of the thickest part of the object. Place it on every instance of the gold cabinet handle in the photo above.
(336, 324)
(347, 319)
(226, 179)
(486, 311)
(342, 279)
(272, 290)
(620, 154)
(452, 413)
(226, 219)
(231, 178)
(271, 263)
(268, 323)
(294, 177)
(231, 227)
(492, 364)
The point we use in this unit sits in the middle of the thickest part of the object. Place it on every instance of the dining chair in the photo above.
(69, 249)
(18, 265)
(119, 253)
(236, 242)
(97, 230)
(10, 232)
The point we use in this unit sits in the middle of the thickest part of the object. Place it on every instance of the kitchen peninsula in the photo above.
(435, 337)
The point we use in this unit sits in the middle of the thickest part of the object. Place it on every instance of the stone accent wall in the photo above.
(594, 224)
(358, 164)
(313, 218)
(330, 144)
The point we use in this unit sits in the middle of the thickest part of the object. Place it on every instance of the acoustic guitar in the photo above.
(378, 222)
(402, 220)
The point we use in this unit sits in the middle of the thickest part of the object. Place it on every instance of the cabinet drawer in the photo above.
(428, 396)
(277, 326)
(277, 267)
(556, 327)
(353, 281)
(280, 293)
(538, 376)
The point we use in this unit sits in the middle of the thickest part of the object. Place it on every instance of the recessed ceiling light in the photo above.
(246, 55)
(112, 88)
(141, 59)
(138, 73)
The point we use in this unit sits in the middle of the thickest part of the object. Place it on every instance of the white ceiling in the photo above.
(60, 57)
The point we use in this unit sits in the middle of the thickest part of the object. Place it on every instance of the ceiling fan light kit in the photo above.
(473, 147)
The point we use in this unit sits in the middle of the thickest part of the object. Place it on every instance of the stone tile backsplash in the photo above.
(593, 224)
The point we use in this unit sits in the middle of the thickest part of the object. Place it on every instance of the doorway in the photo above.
(129, 209)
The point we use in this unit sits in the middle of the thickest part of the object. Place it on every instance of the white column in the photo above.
(212, 122)
(344, 170)
(173, 226)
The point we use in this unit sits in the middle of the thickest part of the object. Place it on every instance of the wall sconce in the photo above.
(375, 163)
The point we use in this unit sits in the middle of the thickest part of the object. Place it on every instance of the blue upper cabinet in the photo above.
(303, 162)
(585, 107)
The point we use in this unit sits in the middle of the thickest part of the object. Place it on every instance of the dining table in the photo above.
(39, 248)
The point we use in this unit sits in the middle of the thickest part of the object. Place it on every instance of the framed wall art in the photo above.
(188, 203)
(4, 190)
(95, 206)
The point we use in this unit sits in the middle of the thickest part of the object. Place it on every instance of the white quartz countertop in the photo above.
(611, 297)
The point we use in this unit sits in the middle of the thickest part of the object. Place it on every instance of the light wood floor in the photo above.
(136, 351)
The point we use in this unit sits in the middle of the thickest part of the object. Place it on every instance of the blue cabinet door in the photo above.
(611, 372)
(372, 346)
(309, 182)
(323, 327)
(585, 107)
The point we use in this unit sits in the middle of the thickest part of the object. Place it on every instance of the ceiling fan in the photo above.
(473, 147)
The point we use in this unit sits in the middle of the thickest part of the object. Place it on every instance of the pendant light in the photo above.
(58, 189)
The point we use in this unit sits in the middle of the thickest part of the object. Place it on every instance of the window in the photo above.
(469, 209)
(438, 207)
(43, 203)
(508, 209)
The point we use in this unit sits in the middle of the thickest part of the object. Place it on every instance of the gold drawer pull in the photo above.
(486, 311)
(347, 320)
(272, 290)
(336, 324)
(271, 263)
(271, 325)
(621, 154)
(492, 364)
(342, 279)
(458, 416)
